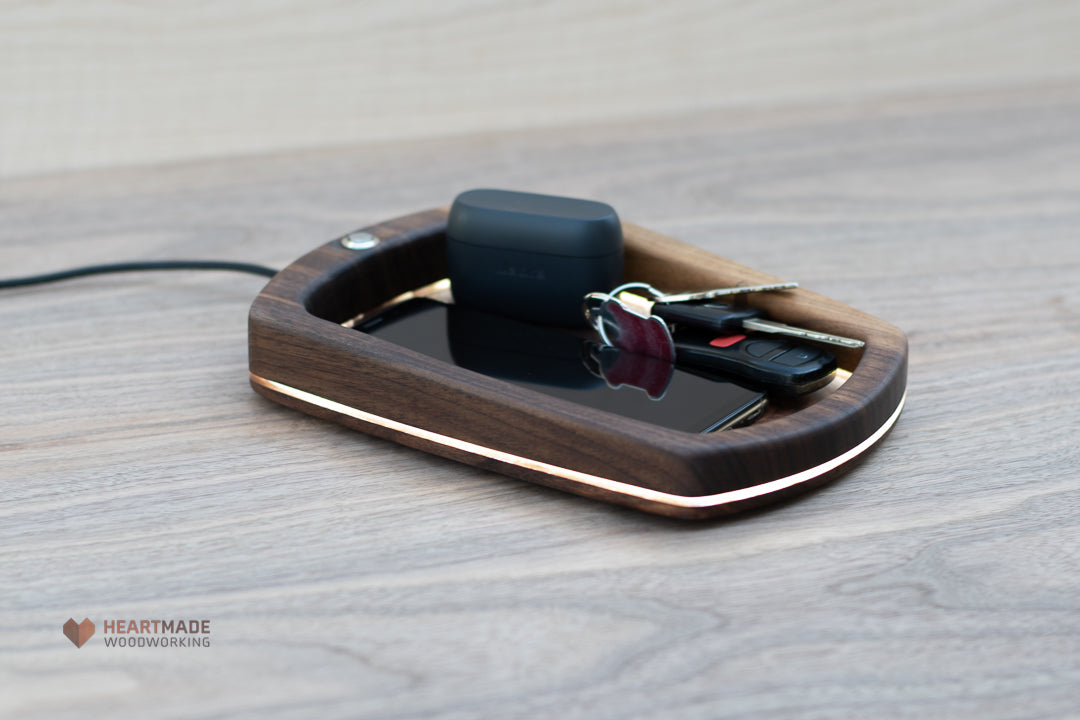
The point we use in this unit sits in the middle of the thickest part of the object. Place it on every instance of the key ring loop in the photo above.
(636, 286)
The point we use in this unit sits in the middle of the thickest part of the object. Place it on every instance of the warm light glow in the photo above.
(703, 501)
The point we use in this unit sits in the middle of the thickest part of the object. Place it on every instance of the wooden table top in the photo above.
(344, 576)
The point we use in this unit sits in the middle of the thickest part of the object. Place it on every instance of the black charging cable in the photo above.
(138, 267)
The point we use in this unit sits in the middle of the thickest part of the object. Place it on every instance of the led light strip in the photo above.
(702, 501)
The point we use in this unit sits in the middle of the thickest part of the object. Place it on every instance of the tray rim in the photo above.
(284, 317)
(653, 497)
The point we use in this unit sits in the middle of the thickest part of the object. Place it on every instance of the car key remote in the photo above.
(718, 317)
(777, 365)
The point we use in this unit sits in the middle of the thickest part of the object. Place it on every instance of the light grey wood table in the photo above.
(348, 577)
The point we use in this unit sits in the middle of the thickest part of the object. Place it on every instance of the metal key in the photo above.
(662, 297)
(727, 318)
(771, 326)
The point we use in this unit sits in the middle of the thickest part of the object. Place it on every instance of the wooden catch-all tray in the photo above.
(303, 357)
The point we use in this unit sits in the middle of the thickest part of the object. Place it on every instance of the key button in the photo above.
(762, 348)
(797, 356)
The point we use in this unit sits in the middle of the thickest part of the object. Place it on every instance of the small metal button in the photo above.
(359, 241)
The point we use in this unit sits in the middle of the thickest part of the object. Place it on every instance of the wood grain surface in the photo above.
(345, 576)
(112, 83)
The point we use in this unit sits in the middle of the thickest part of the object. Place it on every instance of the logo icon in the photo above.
(79, 633)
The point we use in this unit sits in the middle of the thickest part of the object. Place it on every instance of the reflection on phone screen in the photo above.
(566, 366)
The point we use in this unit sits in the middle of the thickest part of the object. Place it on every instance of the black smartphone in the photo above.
(566, 366)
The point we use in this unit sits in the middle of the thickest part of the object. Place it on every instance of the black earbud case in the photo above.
(531, 257)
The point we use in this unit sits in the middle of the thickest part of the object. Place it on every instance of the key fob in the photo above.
(711, 317)
(775, 364)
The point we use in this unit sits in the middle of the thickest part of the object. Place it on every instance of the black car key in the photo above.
(719, 317)
(775, 364)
